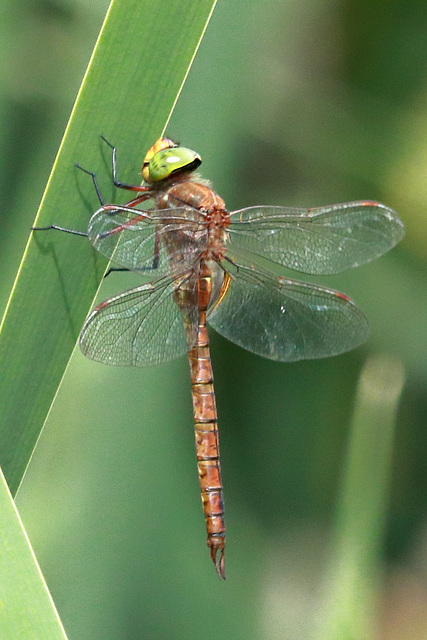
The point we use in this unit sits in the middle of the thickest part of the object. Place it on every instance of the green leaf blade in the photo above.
(27, 610)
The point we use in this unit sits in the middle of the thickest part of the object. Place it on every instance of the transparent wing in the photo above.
(143, 326)
(286, 320)
(160, 240)
(317, 241)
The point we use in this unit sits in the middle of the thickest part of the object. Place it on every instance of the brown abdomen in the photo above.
(206, 435)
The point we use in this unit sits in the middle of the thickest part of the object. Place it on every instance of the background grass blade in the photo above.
(139, 64)
(27, 610)
(352, 586)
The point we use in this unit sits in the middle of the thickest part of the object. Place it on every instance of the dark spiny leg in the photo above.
(111, 269)
(95, 182)
(119, 183)
(54, 226)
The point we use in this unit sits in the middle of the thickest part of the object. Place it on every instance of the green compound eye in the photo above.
(170, 161)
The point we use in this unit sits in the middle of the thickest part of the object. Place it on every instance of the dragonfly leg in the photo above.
(95, 182)
(141, 269)
(111, 269)
(54, 226)
(113, 210)
(145, 193)
(231, 261)
(72, 231)
(119, 183)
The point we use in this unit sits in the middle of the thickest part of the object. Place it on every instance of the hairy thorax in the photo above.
(204, 206)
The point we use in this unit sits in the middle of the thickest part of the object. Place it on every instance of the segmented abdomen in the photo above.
(207, 440)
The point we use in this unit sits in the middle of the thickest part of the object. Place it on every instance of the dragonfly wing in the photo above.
(142, 326)
(287, 320)
(324, 240)
(147, 240)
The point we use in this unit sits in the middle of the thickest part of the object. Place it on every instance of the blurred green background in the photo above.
(292, 103)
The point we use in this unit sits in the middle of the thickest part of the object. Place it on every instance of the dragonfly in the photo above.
(205, 264)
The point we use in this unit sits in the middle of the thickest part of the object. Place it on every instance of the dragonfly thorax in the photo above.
(194, 194)
(204, 206)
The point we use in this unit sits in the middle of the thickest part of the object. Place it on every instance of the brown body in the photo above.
(202, 289)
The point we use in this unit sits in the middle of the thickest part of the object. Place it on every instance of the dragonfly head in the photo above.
(166, 159)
